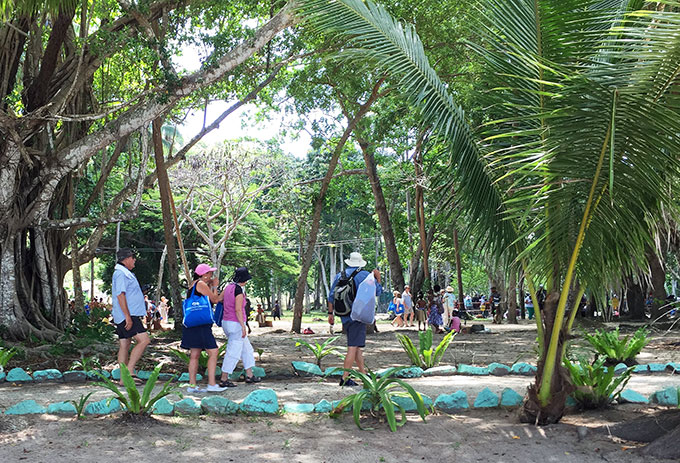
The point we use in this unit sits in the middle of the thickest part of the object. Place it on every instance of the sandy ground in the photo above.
(477, 435)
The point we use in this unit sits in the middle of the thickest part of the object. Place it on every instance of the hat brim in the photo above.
(355, 263)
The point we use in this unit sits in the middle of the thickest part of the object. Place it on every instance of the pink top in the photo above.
(230, 304)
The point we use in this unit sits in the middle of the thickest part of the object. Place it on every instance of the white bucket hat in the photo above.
(355, 260)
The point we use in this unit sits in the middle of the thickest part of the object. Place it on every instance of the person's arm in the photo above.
(239, 314)
(205, 290)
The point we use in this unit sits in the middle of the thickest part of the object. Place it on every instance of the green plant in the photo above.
(80, 404)
(133, 401)
(203, 359)
(320, 350)
(424, 356)
(86, 363)
(617, 349)
(259, 351)
(6, 355)
(596, 384)
(85, 329)
(378, 392)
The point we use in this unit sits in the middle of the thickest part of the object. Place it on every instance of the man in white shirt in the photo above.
(128, 310)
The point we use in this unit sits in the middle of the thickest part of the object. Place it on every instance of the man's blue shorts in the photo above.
(356, 333)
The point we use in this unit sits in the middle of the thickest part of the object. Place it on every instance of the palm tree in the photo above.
(569, 177)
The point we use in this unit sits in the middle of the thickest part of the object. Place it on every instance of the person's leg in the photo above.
(194, 354)
(212, 365)
(123, 351)
(349, 360)
(359, 358)
(141, 341)
(234, 348)
(248, 357)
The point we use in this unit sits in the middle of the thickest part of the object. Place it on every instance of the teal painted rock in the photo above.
(298, 408)
(450, 403)
(641, 369)
(144, 374)
(653, 367)
(667, 397)
(510, 398)
(187, 407)
(620, 368)
(261, 401)
(18, 375)
(115, 374)
(409, 404)
(219, 405)
(103, 407)
(464, 369)
(333, 371)
(74, 376)
(498, 369)
(218, 372)
(412, 372)
(41, 376)
(570, 402)
(184, 377)
(2, 376)
(236, 375)
(93, 376)
(673, 367)
(306, 369)
(259, 372)
(26, 407)
(163, 407)
(164, 377)
(524, 369)
(630, 396)
(486, 399)
(62, 408)
(323, 406)
(443, 370)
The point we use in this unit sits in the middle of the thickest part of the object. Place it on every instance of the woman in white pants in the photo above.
(234, 326)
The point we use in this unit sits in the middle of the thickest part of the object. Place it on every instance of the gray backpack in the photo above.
(344, 293)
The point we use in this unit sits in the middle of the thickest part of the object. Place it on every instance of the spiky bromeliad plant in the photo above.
(569, 178)
(424, 356)
(319, 351)
(597, 385)
(378, 392)
(130, 398)
(616, 349)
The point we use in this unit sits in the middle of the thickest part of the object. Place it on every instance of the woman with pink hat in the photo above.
(199, 338)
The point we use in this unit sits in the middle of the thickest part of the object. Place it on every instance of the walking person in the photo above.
(407, 299)
(529, 305)
(200, 338)
(356, 330)
(234, 326)
(421, 311)
(449, 300)
(399, 310)
(276, 311)
(436, 308)
(128, 310)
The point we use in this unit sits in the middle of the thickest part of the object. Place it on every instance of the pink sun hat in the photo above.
(202, 269)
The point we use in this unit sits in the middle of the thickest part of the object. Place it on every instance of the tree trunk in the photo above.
(168, 225)
(658, 280)
(533, 411)
(420, 207)
(512, 297)
(318, 207)
(459, 270)
(79, 305)
(396, 270)
(635, 298)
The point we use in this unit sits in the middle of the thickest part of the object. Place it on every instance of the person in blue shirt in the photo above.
(128, 309)
(356, 330)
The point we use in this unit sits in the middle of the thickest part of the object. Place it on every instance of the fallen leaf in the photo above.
(516, 437)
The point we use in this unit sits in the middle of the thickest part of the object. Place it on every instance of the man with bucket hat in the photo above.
(128, 310)
(356, 330)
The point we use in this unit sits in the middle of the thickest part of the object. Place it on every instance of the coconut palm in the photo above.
(570, 175)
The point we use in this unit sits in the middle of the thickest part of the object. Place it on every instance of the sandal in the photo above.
(253, 379)
(227, 383)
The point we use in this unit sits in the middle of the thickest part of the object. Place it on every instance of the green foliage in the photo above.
(378, 391)
(88, 329)
(80, 404)
(319, 350)
(424, 356)
(596, 384)
(6, 355)
(86, 364)
(202, 359)
(616, 349)
(132, 401)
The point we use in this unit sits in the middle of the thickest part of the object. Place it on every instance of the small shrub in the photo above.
(85, 329)
(424, 356)
(80, 404)
(86, 363)
(616, 349)
(5, 356)
(132, 401)
(378, 392)
(203, 359)
(320, 350)
(596, 385)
